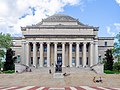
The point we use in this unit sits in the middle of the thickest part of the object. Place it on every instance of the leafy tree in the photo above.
(9, 64)
(5, 42)
(116, 66)
(116, 49)
(108, 60)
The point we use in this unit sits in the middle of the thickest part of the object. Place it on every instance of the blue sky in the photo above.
(104, 14)
(101, 13)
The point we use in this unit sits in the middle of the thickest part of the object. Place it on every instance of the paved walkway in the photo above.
(51, 88)
(41, 77)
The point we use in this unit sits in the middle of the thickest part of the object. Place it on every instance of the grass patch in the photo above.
(9, 71)
(111, 72)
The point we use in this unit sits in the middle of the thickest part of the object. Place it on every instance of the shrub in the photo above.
(116, 66)
(108, 72)
(9, 71)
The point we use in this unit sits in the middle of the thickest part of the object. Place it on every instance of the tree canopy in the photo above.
(108, 60)
(5, 43)
(10, 59)
(116, 49)
(5, 40)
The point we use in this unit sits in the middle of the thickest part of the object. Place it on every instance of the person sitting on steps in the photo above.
(99, 80)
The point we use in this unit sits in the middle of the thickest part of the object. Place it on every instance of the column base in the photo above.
(63, 65)
(48, 66)
(41, 66)
(77, 66)
(84, 66)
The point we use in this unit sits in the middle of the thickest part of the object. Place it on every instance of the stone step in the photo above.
(58, 75)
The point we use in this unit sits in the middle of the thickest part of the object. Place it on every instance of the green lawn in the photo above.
(9, 71)
(111, 72)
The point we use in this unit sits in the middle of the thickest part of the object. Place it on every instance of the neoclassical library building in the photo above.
(60, 39)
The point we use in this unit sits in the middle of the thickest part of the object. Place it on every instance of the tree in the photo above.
(9, 64)
(116, 50)
(108, 60)
(116, 66)
(5, 42)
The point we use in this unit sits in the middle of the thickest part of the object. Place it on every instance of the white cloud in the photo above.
(118, 1)
(11, 12)
(110, 32)
(117, 25)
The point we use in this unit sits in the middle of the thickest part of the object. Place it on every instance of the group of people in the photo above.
(98, 80)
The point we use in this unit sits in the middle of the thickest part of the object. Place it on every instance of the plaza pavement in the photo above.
(79, 77)
(56, 88)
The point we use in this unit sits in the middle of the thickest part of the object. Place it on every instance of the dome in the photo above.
(59, 17)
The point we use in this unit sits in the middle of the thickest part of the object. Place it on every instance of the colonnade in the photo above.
(93, 53)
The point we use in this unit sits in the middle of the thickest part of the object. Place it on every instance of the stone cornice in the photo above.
(59, 36)
(105, 38)
(59, 27)
(105, 46)
(16, 38)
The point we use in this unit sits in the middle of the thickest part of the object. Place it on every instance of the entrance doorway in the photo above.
(59, 59)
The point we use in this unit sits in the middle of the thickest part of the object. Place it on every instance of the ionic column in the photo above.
(48, 54)
(84, 54)
(41, 54)
(27, 53)
(63, 54)
(77, 54)
(23, 58)
(91, 54)
(55, 54)
(70, 54)
(34, 54)
(96, 52)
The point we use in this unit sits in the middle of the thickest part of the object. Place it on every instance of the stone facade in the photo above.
(61, 39)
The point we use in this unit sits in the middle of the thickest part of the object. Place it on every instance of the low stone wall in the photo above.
(98, 68)
(19, 68)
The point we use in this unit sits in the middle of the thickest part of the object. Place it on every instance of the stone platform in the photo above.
(58, 75)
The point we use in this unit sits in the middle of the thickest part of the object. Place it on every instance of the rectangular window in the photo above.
(18, 58)
(38, 60)
(45, 49)
(105, 43)
(38, 47)
(73, 61)
(31, 60)
(80, 49)
(73, 49)
(45, 61)
(80, 60)
(31, 48)
(87, 61)
(87, 48)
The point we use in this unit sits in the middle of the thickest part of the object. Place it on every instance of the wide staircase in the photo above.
(69, 70)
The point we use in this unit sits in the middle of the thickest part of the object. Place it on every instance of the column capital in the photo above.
(34, 42)
(84, 42)
(91, 42)
(77, 42)
(55, 42)
(23, 42)
(26, 42)
(40, 42)
(63, 42)
(48, 42)
(96, 43)
(70, 42)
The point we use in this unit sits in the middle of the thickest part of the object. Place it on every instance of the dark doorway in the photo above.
(59, 59)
